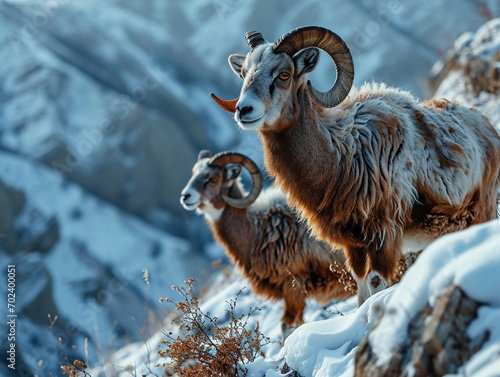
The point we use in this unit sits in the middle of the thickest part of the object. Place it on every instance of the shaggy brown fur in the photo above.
(348, 194)
(374, 171)
(273, 250)
(279, 258)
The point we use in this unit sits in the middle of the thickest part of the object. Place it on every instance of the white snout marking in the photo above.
(190, 199)
(253, 119)
(256, 124)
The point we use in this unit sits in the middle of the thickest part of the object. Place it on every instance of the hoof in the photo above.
(286, 331)
(376, 283)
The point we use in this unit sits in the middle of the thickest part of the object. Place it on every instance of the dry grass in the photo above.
(345, 278)
(205, 348)
(76, 369)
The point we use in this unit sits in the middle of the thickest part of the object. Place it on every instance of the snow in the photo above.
(327, 348)
(469, 259)
(101, 253)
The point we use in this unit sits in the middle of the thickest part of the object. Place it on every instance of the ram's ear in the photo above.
(232, 171)
(306, 60)
(236, 62)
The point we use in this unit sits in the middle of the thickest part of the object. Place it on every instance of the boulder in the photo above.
(437, 344)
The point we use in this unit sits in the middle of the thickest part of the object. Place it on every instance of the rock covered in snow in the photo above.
(470, 71)
(477, 57)
(438, 340)
(451, 293)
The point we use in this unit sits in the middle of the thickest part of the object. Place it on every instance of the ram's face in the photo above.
(270, 85)
(214, 183)
(204, 188)
(207, 190)
(274, 75)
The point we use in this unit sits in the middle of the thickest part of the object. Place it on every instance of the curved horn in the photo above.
(224, 158)
(204, 154)
(315, 36)
(254, 39)
(229, 106)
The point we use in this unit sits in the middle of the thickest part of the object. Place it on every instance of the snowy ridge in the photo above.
(469, 259)
(92, 278)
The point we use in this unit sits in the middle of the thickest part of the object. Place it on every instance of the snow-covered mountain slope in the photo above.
(224, 289)
(91, 274)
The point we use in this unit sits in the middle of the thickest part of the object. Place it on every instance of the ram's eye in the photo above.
(213, 179)
(284, 76)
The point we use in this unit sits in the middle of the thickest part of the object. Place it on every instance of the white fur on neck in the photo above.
(272, 197)
(210, 212)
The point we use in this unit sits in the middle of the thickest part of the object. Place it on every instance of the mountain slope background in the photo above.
(103, 109)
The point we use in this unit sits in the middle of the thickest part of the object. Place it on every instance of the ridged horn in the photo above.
(229, 106)
(204, 154)
(315, 36)
(224, 158)
(254, 39)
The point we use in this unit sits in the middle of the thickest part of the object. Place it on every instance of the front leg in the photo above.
(381, 263)
(295, 304)
(363, 290)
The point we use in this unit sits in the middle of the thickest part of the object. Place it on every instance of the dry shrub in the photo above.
(77, 369)
(206, 349)
(345, 277)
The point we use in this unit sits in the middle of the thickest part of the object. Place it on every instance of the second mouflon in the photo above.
(263, 237)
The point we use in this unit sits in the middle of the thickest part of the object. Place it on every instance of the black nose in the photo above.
(185, 196)
(245, 110)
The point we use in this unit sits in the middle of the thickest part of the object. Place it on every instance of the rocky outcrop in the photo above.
(476, 57)
(437, 343)
(11, 203)
(470, 72)
(22, 228)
